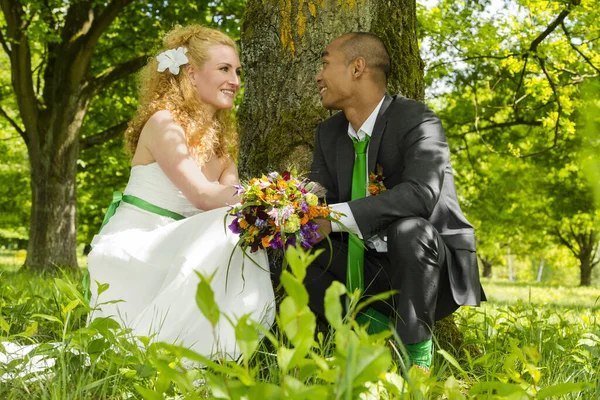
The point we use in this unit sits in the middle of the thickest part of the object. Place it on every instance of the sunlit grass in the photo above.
(504, 292)
(527, 337)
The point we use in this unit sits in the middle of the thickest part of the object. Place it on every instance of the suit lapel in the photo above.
(377, 133)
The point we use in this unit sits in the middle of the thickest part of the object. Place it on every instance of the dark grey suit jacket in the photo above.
(408, 141)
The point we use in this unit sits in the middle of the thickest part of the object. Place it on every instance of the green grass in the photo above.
(527, 339)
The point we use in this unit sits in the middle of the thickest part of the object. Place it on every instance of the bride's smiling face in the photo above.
(218, 80)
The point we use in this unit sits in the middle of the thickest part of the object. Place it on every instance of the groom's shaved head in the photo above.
(370, 47)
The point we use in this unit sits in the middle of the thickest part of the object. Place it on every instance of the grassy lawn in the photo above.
(529, 341)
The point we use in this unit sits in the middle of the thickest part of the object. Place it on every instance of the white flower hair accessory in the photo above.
(172, 59)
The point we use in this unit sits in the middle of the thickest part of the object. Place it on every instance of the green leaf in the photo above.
(246, 337)
(284, 358)
(333, 305)
(5, 326)
(102, 287)
(452, 361)
(370, 363)
(294, 288)
(563, 389)
(148, 394)
(205, 298)
(265, 391)
(70, 291)
(298, 324)
(223, 387)
(299, 259)
(31, 329)
(71, 306)
(47, 317)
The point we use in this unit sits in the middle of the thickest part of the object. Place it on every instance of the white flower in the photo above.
(172, 59)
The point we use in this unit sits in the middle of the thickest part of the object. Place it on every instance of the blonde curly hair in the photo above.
(206, 134)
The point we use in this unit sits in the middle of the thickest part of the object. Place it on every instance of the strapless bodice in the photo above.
(150, 183)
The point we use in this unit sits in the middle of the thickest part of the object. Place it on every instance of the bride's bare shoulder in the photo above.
(161, 124)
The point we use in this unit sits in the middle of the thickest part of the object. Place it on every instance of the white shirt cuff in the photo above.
(347, 220)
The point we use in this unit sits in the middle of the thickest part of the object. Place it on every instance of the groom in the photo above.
(418, 242)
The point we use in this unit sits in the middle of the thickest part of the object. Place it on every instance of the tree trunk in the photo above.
(511, 276)
(281, 46)
(487, 266)
(52, 233)
(540, 272)
(585, 267)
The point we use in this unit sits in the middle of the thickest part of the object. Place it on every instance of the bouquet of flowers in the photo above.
(277, 211)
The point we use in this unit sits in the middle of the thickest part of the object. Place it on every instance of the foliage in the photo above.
(541, 343)
(135, 32)
(511, 102)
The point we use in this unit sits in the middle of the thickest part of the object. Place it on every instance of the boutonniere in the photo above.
(376, 185)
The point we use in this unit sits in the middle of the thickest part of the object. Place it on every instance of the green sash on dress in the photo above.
(118, 197)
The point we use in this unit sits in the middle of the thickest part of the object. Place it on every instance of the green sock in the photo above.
(420, 353)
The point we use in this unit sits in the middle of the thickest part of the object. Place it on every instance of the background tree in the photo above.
(67, 58)
(506, 78)
(282, 42)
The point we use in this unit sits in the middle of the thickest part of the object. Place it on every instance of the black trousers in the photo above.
(416, 265)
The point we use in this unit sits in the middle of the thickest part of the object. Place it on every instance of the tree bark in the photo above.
(487, 267)
(281, 46)
(52, 234)
(586, 273)
(587, 261)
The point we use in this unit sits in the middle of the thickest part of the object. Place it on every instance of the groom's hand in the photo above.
(324, 229)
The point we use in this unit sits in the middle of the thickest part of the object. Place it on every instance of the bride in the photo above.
(169, 222)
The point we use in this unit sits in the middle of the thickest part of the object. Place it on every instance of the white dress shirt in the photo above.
(348, 219)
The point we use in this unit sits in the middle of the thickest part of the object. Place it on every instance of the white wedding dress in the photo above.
(150, 263)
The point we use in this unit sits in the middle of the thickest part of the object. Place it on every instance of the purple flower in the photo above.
(239, 189)
(306, 244)
(235, 226)
(264, 185)
(287, 211)
(260, 223)
(304, 207)
(276, 242)
(274, 215)
(272, 176)
(290, 241)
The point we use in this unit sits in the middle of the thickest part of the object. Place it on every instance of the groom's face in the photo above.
(334, 79)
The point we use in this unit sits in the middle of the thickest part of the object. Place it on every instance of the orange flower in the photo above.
(373, 189)
(252, 230)
(313, 212)
(243, 223)
(282, 185)
(304, 220)
(265, 242)
(324, 211)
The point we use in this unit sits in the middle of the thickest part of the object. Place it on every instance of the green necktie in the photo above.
(356, 249)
